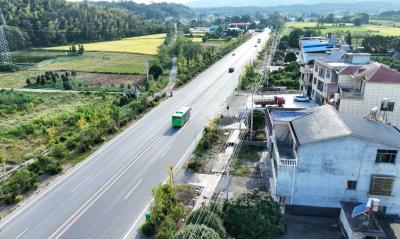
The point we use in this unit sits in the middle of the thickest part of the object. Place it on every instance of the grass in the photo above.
(37, 106)
(384, 30)
(250, 153)
(109, 62)
(98, 62)
(141, 45)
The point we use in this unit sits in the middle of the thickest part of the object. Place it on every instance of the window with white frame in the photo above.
(386, 156)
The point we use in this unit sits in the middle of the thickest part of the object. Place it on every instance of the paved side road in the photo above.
(106, 195)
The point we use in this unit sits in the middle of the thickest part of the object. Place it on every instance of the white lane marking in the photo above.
(165, 152)
(137, 220)
(187, 125)
(72, 219)
(22, 233)
(83, 181)
(133, 189)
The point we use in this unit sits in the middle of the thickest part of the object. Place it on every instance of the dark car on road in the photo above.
(231, 69)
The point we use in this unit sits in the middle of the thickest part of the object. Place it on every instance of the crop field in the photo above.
(95, 62)
(384, 30)
(147, 45)
(19, 111)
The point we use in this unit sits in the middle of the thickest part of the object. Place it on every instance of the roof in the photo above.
(357, 224)
(376, 72)
(324, 123)
(349, 70)
(181, 111)
(287, 115)
(367, 129)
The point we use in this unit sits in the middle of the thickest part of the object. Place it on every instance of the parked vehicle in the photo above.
(258, 40)
(300, 98)
(231, 69)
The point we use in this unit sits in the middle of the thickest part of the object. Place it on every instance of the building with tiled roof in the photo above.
(321, 157)
(363, 88)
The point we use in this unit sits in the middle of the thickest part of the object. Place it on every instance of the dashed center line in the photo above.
(22, 233)
(133, 189)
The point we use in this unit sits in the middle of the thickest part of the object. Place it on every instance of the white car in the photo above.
(299, 98)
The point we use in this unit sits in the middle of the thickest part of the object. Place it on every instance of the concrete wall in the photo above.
(347, 228)
(320, 179)
(373, 95)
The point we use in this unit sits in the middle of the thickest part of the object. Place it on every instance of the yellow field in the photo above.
(363, 29)
(141, 45)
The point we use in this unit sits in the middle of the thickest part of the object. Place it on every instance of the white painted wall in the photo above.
(373, 95)
(320, 179)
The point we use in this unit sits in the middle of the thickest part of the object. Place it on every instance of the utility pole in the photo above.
(252, 110)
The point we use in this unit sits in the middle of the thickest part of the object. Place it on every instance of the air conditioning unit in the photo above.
(387, 105)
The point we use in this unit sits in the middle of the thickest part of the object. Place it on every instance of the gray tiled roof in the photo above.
(325, 123)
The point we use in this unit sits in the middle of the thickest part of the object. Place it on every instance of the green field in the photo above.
(141, 45)
(89, 62)
(384, 30)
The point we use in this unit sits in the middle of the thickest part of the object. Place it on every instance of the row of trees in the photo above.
(194, 58)
(58, 22)
(380, 44)
(357, 19)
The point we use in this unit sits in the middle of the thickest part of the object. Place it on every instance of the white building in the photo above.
(325, 75)
(320, 157)
(363, 88)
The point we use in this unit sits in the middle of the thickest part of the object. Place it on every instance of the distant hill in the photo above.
(159, 11)
(58, 22)
(253, 6)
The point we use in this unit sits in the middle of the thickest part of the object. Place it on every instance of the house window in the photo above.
(316, 68)
(381, 185)
(315, 80)
(321, 72)
(386, 156)
(351, 185)
(328, 74)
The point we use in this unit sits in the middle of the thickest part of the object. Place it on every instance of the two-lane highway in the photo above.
(105, 195)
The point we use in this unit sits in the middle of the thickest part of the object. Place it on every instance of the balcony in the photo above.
(351, 92)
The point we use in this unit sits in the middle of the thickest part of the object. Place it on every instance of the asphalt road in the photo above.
(106, 195)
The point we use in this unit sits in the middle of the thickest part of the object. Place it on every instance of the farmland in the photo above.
(147, 45)
(95, 62)
(384, 30)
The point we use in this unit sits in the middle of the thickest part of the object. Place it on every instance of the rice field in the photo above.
(147, 45)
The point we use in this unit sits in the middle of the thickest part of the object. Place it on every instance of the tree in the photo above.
(258, 120)
(348, 38)
(205, 216)
(3, 160)
(196, 232)
(279, 55)
(156, 70)
(290, 56)
(67, 85)
(254, 215)
(294, 37)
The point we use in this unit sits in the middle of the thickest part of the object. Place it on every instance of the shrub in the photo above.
(207, 217)
(8, 68)
(196, 232)
(59, 151)
(148, 229)
(19, 182)
(18, 198)
(242, 213)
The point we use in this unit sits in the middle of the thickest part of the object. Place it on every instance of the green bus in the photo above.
(180, 117)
